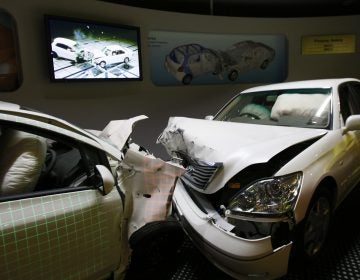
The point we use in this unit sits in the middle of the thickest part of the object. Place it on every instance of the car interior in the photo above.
(32, 163)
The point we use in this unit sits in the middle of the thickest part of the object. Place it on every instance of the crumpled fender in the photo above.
(148, 183)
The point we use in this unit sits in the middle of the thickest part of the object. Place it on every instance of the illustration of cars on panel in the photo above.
(112, 54)
(265, 175)
(245, 56)
(188, 61)
(69, 49)
(72, 200)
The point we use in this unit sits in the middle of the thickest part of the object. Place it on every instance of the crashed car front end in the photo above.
(232, 202)
(240, 257)
(234, 235)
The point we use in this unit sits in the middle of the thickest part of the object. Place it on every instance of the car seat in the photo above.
(22, 156)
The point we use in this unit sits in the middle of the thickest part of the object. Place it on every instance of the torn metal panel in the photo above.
(118, 131)
(148, 183)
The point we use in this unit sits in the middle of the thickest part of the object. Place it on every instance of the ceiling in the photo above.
(251, 8)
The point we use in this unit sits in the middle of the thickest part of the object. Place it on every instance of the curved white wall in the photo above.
(93, 104)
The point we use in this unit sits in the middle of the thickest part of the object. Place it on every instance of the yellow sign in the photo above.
(328, 44)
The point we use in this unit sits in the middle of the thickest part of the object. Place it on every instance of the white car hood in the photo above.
(236, 145)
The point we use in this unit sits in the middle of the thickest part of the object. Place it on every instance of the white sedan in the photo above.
(113, 54)
(264, 177)
(71, 201)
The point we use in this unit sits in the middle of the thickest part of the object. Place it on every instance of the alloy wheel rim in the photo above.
(316, 226)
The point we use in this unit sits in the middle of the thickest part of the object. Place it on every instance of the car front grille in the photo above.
(198, 174)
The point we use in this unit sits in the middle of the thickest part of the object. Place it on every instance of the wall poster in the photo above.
(183, 58)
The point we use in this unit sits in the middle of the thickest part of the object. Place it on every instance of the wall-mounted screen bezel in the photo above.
(89, 50)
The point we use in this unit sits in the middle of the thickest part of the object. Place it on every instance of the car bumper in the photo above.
(241, 258)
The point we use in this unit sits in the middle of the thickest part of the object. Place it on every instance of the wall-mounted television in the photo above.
(88, 50)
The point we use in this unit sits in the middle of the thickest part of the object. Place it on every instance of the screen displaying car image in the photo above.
(88, 50)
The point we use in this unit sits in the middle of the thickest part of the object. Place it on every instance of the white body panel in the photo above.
(81, 230)
(327, 156)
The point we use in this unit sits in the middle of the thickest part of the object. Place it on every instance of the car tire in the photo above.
(265, 64)
(187, 79)
(126, 60)
(102, 64)
(313, 232)
(153, 245)
(54, 55)
(233, 75)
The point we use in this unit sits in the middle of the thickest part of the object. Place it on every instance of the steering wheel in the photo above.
(250, 116)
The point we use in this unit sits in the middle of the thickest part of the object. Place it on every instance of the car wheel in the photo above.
(314, 230)
(102, 64)
(233, 75)
(265, 64)
(126, 60)
(54, 55)
(153, 245)
(187, 79)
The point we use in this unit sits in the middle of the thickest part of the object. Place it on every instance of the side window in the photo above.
(10, 70)
(355, 93)
(32, 162)
(62, 46)
(194, 58)
(349, 95)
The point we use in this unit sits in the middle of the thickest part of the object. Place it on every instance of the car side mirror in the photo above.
(352, 123)
(209, 118)
(107, 178)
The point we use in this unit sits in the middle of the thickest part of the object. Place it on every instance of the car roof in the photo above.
(318, 83)
(51, 123)
(190, 48)
(114, 47)
(65, 40)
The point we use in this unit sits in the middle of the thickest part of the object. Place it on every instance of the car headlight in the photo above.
(273, 196)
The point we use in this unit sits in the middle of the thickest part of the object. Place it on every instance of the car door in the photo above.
(63, 226)
(349, 95)
(65, 51)
(209, 62)
(194, 64)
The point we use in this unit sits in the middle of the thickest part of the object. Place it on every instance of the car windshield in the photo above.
(106, 51)
(308, 107)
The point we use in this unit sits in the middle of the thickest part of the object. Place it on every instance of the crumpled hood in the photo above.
(236, 145)
(117, 132)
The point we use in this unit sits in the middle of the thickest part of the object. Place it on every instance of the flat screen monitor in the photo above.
(87, 50)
